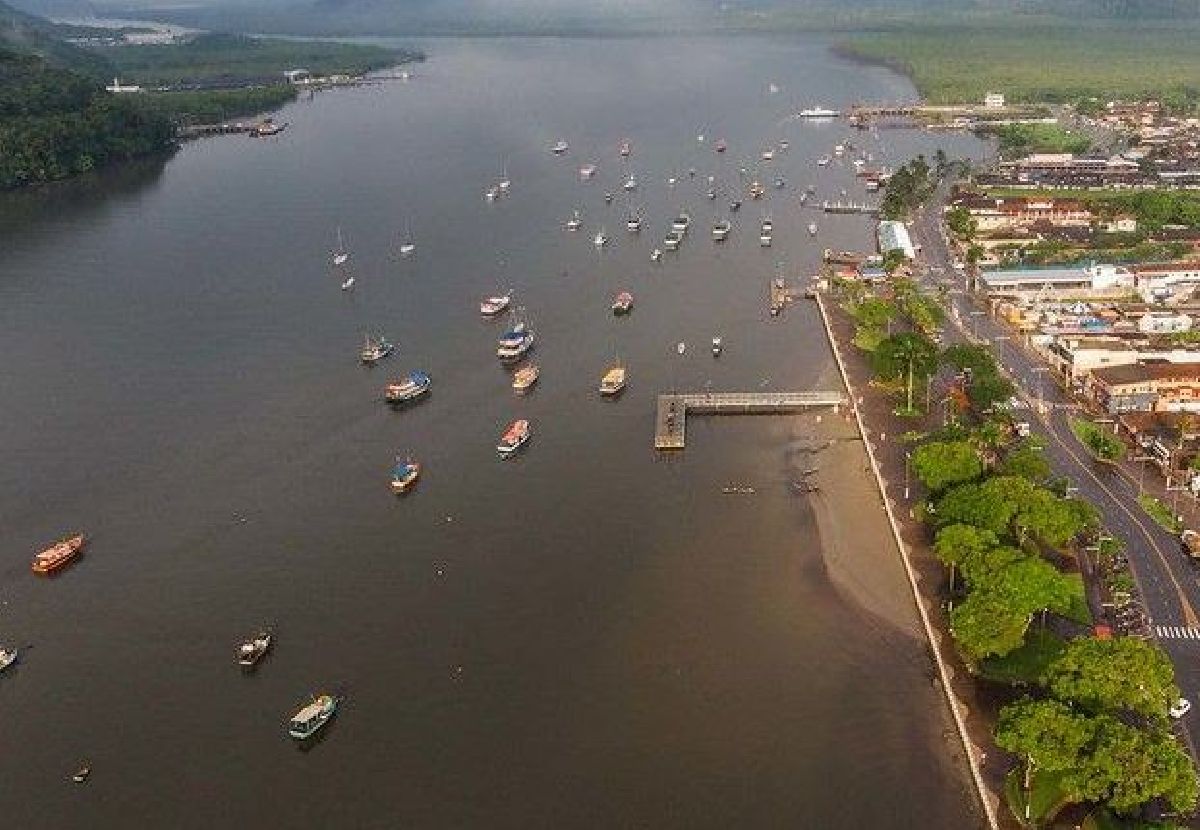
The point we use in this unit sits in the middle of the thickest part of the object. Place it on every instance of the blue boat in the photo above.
(404, 475)
(515, 343)
(414, 386)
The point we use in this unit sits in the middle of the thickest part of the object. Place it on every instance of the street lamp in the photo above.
(907, 458)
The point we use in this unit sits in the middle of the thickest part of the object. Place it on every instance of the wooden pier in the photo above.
(670, 423)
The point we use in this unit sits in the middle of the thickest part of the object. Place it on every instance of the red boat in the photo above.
(59, 554)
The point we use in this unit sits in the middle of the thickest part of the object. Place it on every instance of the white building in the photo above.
(1058, 282)
(1161, 281)
(1164, 322)
(893, 236)
(994, 101)
(117, 87)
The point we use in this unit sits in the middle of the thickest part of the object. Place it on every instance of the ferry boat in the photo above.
(404, 475)
(560, 147)
(493, 306)
(717, 347)
(633, 223)
(600, 239)
(681, 224)
(574, 223)
(720, 230)
(515, 343)
(375, 350)
(721, 146)
(625, 149)
(8, 658)
(587, 172)
(623, 303)
(513, 438)
(58, 555)
(252, 650)
(412, 387)
(819, 112)
(630, 183)
(613, 382)
(525, 377)
(313, 717)
(764, 234)
(671, 240)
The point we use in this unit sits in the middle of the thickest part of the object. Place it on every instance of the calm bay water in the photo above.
(587, 636)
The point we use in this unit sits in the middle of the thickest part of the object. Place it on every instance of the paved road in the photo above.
(1167, 580)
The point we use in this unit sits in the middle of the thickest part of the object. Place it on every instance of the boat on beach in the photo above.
(410, 388)
(513, 438)
(313, 717)
(623, 303)
(404, 475)
(613, 382)
(525, 377)
(59, 555)
(254, 649)
(375, 350)
(493, 306)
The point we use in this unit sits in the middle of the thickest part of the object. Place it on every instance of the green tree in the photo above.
(1128, 767)
(1026, 462)
(1122, 674)
(958, 545)
(942, 464)
(984, 625)
(1047, 734)
(906, 355)
(961, 223)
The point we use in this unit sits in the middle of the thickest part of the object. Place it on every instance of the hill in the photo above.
(22, 33)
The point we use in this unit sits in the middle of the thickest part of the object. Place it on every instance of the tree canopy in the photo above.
(1114, 675)
(942, 464)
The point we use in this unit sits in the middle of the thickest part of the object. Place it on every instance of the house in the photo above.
(1147, 387)
(1168, 439)
(1058, 283)
(1121, 223)
(1161, 281)
(118, 88)
(1075, 357)
(1163, 322)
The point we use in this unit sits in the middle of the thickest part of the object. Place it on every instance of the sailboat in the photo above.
(340, 256)
(348, 282)
(505, 182)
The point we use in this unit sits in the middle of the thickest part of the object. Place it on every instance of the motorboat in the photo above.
(340, 255)
(680, 347)
(608, 197)
(812, 228)
(767, 155)
(672, 240)
(823, 161)
(254, 649)
(623, 303)
(720, 146)
(630, 183)
(765, 233)
(735, 205)
(407, 248)
(671, 181)
(784, 146)
(525, 377)
(8, 658)
(717, 347)
(613, 382)
(839, 150)
(633, 224)
(560, 147)
(375, 349)
(59, 555)
(404, 475)
(625, 149)
(513, 438)
(819, 112)
(720, 230)
(587, 171)
(493, 306)
(575, 222)
(348, 282)
(515, 343)
(656, 255)
(712, 194)
(417, 383)
(600, 239)
(313, 717)
(491, 194)
(681, 223)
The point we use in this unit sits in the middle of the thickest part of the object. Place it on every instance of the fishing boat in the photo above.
(348, 282)
(600, 239)
(515, 343)
(340, 255)
(630, 183)
(656, 255)
(735, 205)
(767, 155)
(417, 383)
(613, 382)
(513, 438)
(493, 306)
(623, 303)
(251, 651)
(765, 233)
(681, 224)
(575, 222)
(634, 223)
(375, 350)
(404, 475)
(491, 194)
(720, 146)
(717, 347)
(812, 228)
(313, 717)
(720, 230)
(625, 149)
(823, 161)
(587, 171)
(58, 555)
(756, 190)
(672, 240)
(818, 112)
(525, 377)
(560, 147)
(8, 657)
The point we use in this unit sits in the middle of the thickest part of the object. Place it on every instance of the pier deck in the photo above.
(670, 424)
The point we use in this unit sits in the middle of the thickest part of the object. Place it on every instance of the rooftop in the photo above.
(1143, 372)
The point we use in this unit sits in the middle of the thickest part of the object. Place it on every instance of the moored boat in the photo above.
(717, 347)
(720, 230)
(498, 304)
(622, 303)
(8, 657)
(560, 147)
(513, 438)
(656, 255)
(672, 239)
(254, 649)
(59, 555)
(625, 149)
(765, 233)
(404, 475)
(313, 717)
(613, 382)
(587, 171)
(375, 350)
(575, 222)
(767, 155)
(515, 343)
(410, 388)
(525, 377)
(812, 228)
(634, 223)
(681, 224)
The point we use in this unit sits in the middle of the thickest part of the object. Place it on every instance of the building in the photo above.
(1164, 322)
(893, 236)
(117, 87)
(1058, 283)
(1161, 281)
(1148, 387)
(993, 101)
(1075, 356)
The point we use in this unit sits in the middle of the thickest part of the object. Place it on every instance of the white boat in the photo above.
(839, 149)
(613, 382)
(812, 228)
(312, 717)
(823, 161)
(407, 246)
(574, 223)
(681, 223)
(505, 182)
(8, 657)
(765, 233)
(716, 346)
(681, 347)
(634, 223)
(348, 283)
(491, 194)
(767, 155)
(630, 183)
(560, 147)
(492, 306)
(587, 171)
(375, 349)
(720, 230)
(340, 255)
(672, 240)
(656, 255)
(252, 650)
(600, 239)
(819, 112)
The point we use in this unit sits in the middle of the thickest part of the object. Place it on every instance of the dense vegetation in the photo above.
(1022, 139)
(55, 123)
(1153, 209)
(909, 186)
(216, 105)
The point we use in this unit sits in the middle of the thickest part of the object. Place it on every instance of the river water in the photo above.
(589, 635)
